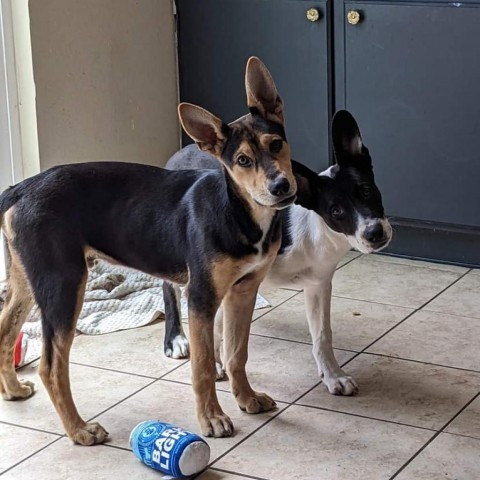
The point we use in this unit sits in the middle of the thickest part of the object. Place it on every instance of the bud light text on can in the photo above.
(169, 449)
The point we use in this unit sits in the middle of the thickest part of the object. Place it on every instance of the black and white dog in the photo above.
(336, 210)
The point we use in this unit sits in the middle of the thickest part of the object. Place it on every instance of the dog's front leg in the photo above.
(317, 304)
(238, 306)
(213, 422)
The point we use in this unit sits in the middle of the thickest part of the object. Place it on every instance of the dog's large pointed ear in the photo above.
(262, 94)
(307, 186)
(207, 131)
(347, 141)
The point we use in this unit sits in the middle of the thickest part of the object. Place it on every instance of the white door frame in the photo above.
(11, 168)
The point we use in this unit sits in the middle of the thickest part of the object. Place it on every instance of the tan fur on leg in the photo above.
(238, 307)
(213, 422)
(57, 382)
(18, 304)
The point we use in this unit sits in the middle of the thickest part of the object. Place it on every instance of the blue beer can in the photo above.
(169, 449)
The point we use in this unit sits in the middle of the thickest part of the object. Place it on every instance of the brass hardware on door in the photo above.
(313, 14)
(353, 17)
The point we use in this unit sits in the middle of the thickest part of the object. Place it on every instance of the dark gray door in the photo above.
(412, 78)
(216, 37)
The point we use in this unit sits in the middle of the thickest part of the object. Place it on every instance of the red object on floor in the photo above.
(18, 353)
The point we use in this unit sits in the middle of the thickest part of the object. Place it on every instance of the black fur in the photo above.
(351, 175)
(172, 329)
(148, 218)
(352, 178)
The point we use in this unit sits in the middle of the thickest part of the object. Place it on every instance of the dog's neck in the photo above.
(311, 234)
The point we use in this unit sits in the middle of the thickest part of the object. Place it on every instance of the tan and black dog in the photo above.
(216, 231)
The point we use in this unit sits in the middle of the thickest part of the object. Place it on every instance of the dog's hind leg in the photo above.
(18, 304)
(58, 281)
(176, 343)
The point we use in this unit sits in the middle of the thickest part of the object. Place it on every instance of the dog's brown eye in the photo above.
(276, 146)
(336, 211)
(366, 191)
(244, 161)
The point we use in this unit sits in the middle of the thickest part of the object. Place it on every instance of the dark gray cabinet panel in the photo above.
(412, 78)
(216, 37)
(409, 72)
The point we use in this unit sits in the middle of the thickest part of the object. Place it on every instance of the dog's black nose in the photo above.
(375, 233)
(279, 187)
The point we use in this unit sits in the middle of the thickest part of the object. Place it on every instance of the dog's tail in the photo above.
(7, 200)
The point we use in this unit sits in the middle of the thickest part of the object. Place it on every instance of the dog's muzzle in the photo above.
(378, 234)
(282, 191)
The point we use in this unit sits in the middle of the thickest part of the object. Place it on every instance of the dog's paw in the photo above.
(256, 403)
(91, 434)
(179, 348)
(216, 425)
(341, 385)
(220, 372)
(23, 390)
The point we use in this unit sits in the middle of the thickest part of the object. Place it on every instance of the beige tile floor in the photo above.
(408, 331)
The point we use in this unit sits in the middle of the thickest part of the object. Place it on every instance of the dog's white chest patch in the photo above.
(313, 254)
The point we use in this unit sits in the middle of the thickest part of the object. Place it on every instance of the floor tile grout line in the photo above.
(238, 474)
(463, 435)
(296, 403)
(460, 412)
(450, 314)
(116, 447)
(279, 338)
(280, 411)
(409, 315)
(349, 261)
(409, 307)
(299, 342)
(377, 354)
(179, 382)
(274, 308)
(366, 417)
(461, 369)
(269, 309)
(122, 400)
(361, 351)
(113, 370)
(134, 393)
(379, 258)
(396, 305)
(39, 430)
(30, 456)
(437, 434)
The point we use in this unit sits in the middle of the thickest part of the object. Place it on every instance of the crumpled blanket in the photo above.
(116, 298)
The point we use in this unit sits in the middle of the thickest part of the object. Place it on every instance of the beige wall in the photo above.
(105, 77)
